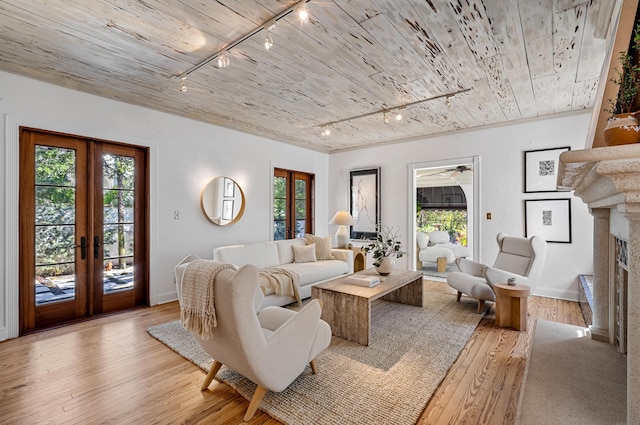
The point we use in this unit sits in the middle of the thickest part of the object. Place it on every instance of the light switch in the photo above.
(488, 216)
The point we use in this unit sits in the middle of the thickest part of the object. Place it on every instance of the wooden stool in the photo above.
(442, 264)
(511, 305)
(359, 259)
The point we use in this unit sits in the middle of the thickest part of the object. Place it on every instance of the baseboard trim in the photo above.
(4, 334)
(567, 295)
(167, 297)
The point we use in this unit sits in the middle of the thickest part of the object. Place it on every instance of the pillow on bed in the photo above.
(323, 246)
(304, 254)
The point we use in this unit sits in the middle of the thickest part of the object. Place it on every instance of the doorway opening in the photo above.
(445, 200)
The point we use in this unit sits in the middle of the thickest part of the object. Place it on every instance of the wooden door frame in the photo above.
(291, 176)
(141, 250)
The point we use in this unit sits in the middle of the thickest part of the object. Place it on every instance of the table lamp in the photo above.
(342, 219)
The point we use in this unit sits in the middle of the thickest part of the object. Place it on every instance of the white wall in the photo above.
(500, 150)
(185, 155)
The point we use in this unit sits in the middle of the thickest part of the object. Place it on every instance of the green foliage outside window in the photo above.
(453, 222)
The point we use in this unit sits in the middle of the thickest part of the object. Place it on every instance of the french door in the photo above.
(292, 204)
(83, 228)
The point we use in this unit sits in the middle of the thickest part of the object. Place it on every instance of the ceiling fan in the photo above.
(459, 169)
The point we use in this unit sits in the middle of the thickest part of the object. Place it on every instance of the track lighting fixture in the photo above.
(183, 84)
(268, 42)
(303, 14)
(223, 60)
(222, 55)
(268, 27)
(326, 132)
(447, 101)
(398, 108)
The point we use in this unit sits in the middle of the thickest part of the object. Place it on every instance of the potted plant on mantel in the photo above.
(384, 247)
(623, 127)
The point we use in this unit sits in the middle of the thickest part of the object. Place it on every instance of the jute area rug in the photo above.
(571, 379)
(388, 382)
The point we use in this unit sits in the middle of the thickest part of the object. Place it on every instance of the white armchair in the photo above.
(520, 258)
(271, 347)
(436, 245)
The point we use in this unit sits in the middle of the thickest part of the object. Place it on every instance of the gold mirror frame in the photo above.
(222, 201)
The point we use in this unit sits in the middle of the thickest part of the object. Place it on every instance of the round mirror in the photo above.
(222, 201)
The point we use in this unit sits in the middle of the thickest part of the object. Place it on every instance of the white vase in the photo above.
(386, 266)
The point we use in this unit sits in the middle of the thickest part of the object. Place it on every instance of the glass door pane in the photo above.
(118, 222)
(301, 207)
(279, 208)
(55, 224)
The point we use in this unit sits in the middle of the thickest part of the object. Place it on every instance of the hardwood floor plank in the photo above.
(109, 370)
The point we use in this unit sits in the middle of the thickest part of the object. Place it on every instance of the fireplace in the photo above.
(608, 181)
(620, 280)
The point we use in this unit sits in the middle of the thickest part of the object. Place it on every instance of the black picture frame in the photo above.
(549, 219)
(541, 169)
(365, 202)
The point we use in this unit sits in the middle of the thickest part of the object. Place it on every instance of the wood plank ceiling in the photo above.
(518, 58)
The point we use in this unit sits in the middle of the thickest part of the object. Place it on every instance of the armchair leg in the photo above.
(255, 402)
(480, 306)
(459, 295)
(314, 366)
(215, 367)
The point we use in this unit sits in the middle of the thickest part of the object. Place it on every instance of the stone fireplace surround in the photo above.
(608, 180)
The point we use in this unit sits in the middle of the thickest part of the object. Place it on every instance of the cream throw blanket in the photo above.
(282, 281)
(197, 310)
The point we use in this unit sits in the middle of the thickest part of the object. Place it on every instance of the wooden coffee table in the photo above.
(347, 308)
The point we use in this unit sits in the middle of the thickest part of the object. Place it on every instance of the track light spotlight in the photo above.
(326, 132)
(268, 42)
(183, 84)
(385, 118)
(398, 116)
(223, 60)
(303, 14)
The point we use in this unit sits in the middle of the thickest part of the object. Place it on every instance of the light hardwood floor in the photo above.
(109, 370)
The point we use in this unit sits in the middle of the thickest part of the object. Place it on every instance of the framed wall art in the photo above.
(365, 202)
(549, 219)
(229, 188)
(541, 169)
(227, 209)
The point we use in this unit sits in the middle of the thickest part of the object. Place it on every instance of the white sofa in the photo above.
(280, 254)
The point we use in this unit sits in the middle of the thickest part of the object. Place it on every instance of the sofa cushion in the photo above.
(323, 246)
(304, 254)
(285, 249)
(318, 271)
(261, 255)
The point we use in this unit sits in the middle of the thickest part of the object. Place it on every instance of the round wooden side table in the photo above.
(511, 305)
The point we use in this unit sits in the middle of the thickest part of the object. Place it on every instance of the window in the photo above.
(292, 204)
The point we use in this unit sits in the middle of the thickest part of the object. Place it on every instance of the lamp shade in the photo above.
(342, 218)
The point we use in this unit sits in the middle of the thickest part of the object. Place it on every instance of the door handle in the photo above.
(96, 247)
(83, 247)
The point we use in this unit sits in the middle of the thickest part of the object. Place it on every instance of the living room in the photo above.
(185, 154)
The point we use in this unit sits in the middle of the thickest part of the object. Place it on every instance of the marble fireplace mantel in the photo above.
(608, 181)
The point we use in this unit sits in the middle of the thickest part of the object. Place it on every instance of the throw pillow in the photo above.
(323, 246)
(304, 254)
